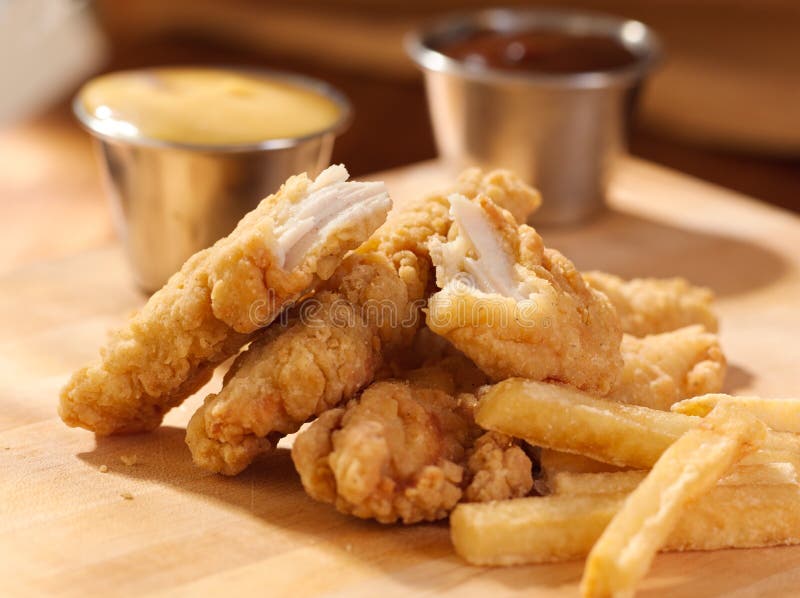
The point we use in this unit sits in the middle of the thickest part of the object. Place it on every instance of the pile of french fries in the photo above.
(621, 482)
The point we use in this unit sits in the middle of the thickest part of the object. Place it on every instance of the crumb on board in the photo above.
(129, 460)
(348, 547)
(126, 495)
(104, 469)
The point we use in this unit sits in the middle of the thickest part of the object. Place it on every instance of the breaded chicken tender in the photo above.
(392, 455)
(454, 374)
(385, 282)
(339, 349)
(654, 305)
(284, 248)
(498, 469)
(406, 452)
(516, 308)
(661, 369)
(433, 362)
(504, 188)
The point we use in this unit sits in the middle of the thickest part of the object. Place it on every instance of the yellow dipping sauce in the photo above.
(205, 106)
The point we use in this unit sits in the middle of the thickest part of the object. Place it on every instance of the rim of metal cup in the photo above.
(635, 36)
(95, 125)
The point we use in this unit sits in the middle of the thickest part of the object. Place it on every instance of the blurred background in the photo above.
(725, 105)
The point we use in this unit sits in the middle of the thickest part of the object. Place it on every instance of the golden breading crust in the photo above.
(432, 362)
(386, 281)
(385, 275)
(258, 405)
(391, 455)
(654, 305)
(516, 308)
(498, 469)
(662, 369)
(208, 310)
(408, 453)
(504, 188)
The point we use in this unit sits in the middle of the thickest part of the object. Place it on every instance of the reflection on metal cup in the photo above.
(171, 200)
(561, 132)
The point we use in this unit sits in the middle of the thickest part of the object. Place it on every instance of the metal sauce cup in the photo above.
(561, 132)
(171, 199)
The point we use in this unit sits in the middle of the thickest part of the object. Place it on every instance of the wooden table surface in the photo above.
(162, 527)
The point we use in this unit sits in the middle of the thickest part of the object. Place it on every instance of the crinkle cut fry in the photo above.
(389, 271)
(221, 295)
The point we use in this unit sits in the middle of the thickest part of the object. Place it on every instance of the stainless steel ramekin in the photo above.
(562, 133)
(172, 199)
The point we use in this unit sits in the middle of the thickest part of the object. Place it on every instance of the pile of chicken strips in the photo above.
(449, 364)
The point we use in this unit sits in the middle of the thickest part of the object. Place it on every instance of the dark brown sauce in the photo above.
(548, 52)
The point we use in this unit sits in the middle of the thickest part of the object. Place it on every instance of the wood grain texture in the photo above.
(67, 529)
(51, 200)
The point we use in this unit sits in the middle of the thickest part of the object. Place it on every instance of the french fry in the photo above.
(766, 456)
(782, 441)
(566, 482)
(531, 530)
(687, 470)
(568, 420)
(768, 474)
(564, 527)
(554, 462)
(779, 414)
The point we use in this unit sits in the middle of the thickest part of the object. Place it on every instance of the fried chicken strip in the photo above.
(662, 369)
(516, 308)
(653, 305)
(208, 310)
(406, 452)
(433, 362)
(504, 188)
(337, 347)
(384, 284)
(392, 455)
(498, 469)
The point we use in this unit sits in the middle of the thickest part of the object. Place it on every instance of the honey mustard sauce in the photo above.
(206, 106)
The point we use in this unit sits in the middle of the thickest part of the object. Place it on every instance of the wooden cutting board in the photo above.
(160, 526)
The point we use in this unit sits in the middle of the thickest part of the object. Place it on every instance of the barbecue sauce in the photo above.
(545, 52)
